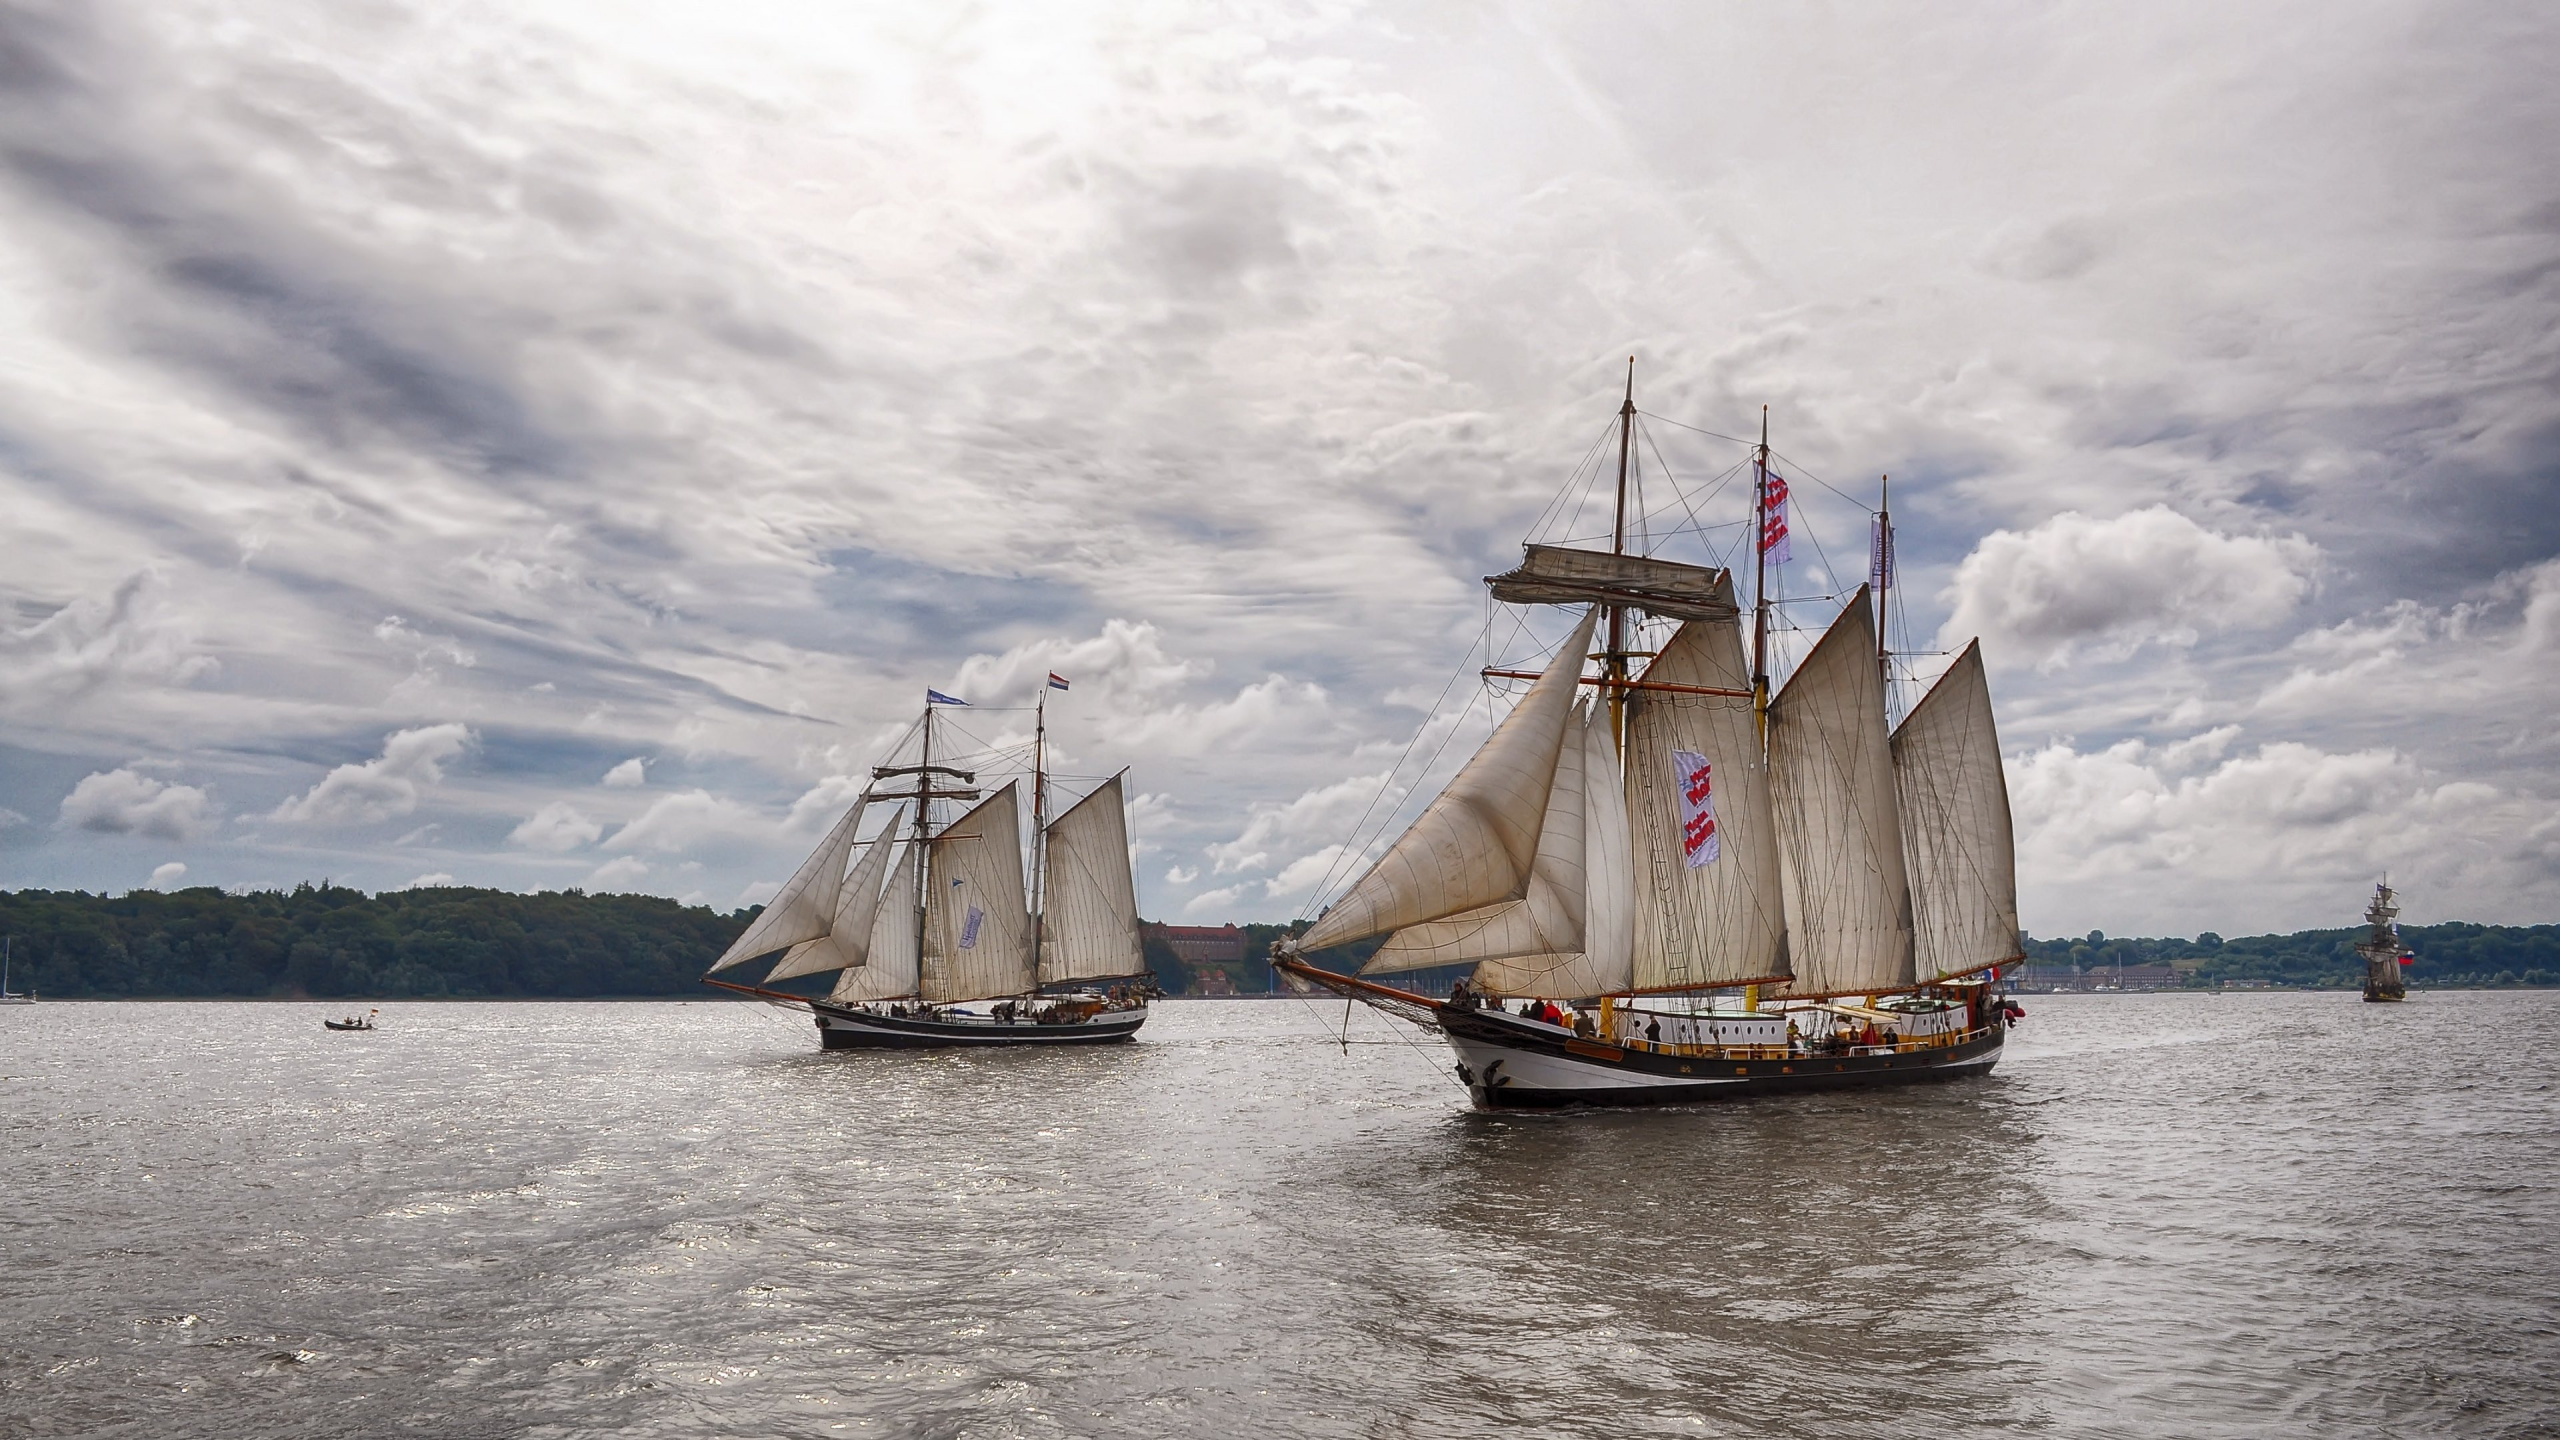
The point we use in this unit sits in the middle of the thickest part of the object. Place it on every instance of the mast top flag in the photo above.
(936, 697)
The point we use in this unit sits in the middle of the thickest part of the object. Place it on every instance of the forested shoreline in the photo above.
(456, 942)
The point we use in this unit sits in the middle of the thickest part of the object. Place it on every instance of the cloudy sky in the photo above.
(546, 444)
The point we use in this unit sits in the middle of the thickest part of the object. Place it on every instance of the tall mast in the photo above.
(1760, 577)
(1884, 581)
(924, 837)
(1617, 657)
(1039, 825)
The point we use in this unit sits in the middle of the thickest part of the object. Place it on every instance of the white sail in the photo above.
(1089, 900)
(1595, 960)
(1848, 898)
(805, 906)
(977, 922)
(1721, 921)
(1474, 845)
(848, 938)
(1956, 835)
(889, 968)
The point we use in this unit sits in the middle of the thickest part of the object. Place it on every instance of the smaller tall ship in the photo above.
(2383, 953)
(930, 913)
(1710, 881)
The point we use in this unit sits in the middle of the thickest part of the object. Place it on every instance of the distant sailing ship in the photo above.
(934, 916)
(1735, 893)
(2381, 948)
(8, 996)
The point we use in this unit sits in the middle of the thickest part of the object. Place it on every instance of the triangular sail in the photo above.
(1595, 961)
(1474, 845)
(1721, 921)
(978, 924)
(805, 906)
(1956, 835)
(889, 972)
(848, 939)
(1848, 897)
(1089, 901)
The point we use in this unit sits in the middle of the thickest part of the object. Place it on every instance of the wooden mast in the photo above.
(1039, 826)
(924, 838)
(1884, 579)
(1760, 578)
(1617, 655)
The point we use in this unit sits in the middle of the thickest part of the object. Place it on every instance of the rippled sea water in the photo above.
(2279, 1214)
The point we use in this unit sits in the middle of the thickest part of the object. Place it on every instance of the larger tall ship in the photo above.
(930, 913)
(1730, 891)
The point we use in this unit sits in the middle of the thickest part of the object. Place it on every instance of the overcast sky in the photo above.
(543, 444)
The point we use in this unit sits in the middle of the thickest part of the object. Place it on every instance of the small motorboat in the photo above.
(353, 1022)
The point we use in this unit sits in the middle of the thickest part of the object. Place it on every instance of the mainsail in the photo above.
(1089, 900)
(1721, 920)
(1475, 844)
(1955, 826)
(805, 906)
(889, 971)
(1848, 897)
(848, 939)
(977, 922)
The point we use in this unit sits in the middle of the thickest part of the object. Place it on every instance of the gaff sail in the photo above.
(805, 906)
(1956, 834)
(1848, 895)
(1089, 899)
(889, 971)
(977, 919)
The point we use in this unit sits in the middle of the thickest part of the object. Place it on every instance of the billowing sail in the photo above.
(1089, 900)
(848, 938)
(805, 905)
(977, 923)
(1474, 845)
(1956, 838)
(1587, 852)
(1708, 904)
(889, 971)
(1848, 898)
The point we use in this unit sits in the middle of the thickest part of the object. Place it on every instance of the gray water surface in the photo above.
(2182, 1215)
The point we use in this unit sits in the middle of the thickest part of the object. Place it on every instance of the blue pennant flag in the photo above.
(936, 697)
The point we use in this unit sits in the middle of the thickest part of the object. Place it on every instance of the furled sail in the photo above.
(1708, 904)
(848, 938)
(977, 923)
(805, 905)
(889, 971)
(1582, 854)
(1474, 845)
(1561, 575)
(1089, 900)
(1848, 898)
(1956, 836)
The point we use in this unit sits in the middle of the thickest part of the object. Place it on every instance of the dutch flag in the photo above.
(1057, 681)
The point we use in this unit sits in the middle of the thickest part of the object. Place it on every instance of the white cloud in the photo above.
(1179, 875)
(125, 802)
(133, 633)
(630, 774)
(756, 893)
(429, 881)
(1214, 902)
(2149, 576)
(556, 827)
(617, 875)
(680, 822)
(385, 786)
(1323, 815)
(164, 876)
(822, 804)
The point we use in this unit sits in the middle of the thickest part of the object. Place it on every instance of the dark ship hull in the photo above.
(843, 1027)
(1512, 1063)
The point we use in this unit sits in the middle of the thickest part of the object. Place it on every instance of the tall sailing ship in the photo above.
(2381, 948)
(1731, 892)
(931, 913)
